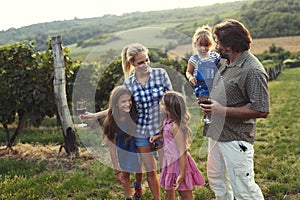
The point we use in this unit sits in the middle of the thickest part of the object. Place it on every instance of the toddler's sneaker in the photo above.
(137, 191)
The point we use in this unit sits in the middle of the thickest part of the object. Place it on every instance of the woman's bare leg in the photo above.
(150, 166)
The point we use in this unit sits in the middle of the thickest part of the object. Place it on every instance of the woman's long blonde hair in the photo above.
(128, 54)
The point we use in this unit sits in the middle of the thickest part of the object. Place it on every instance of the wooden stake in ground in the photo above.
(59, 83)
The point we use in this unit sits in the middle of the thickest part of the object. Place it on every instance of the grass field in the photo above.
(277, 146)
(32, 169)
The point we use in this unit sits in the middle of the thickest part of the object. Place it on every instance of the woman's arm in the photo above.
(181, 144)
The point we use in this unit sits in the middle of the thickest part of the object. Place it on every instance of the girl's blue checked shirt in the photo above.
(147, 98)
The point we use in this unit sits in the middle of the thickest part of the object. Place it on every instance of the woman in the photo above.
(147, 86)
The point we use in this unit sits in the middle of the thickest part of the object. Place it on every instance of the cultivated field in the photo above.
(258, 46)
(291, 44)
(155, 38)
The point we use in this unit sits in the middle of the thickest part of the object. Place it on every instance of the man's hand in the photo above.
(212, 106)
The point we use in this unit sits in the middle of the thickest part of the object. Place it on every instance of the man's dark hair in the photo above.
(232, 33)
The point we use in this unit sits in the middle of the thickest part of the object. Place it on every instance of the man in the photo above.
(239, 96)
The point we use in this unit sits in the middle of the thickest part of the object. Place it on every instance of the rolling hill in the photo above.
(263, 18)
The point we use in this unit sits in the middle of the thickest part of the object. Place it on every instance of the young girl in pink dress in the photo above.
(179, 170)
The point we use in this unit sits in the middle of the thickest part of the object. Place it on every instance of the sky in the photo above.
(19, 13)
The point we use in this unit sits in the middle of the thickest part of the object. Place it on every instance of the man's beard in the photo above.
(224, 54)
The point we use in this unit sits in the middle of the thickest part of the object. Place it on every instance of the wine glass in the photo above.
(81, 109)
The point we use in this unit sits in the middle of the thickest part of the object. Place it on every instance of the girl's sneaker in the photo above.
(137, 191)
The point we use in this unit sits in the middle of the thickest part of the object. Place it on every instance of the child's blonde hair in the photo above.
(176, 107)
(128, 54)
(203, 36)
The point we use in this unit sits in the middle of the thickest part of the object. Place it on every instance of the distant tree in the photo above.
(266, 19)
(275, 53)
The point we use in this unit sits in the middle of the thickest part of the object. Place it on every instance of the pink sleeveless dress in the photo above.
(171, 165)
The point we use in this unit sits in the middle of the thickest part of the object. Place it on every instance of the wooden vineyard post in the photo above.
(59, 83)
